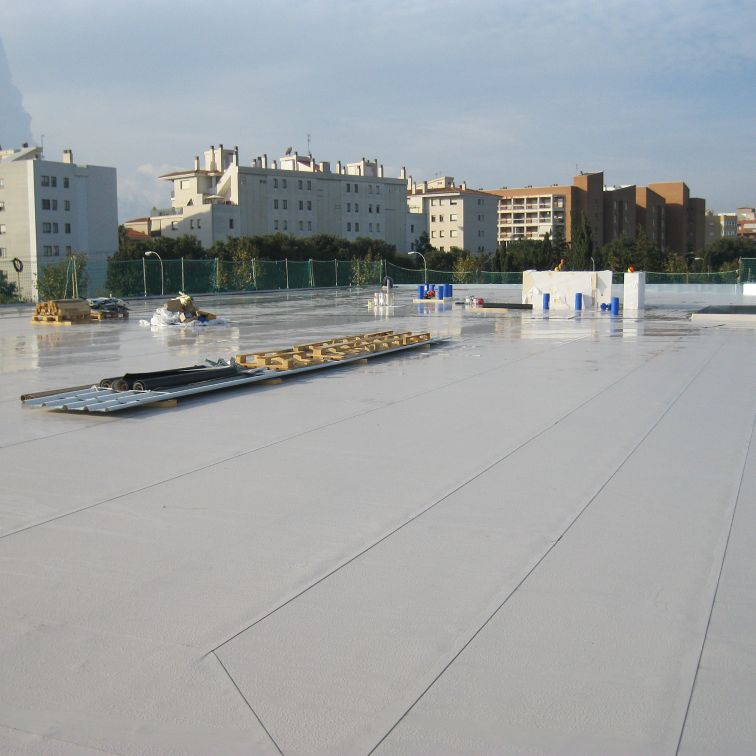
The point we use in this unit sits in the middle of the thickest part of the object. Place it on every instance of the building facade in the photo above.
(297, 196)
(49, 209)
(665, 211)
(455, 216)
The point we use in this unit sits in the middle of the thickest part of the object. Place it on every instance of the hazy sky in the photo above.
(495, 92)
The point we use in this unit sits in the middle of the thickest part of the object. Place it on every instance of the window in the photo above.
(47, 250)
(230, 222)
(440, 218)
(69, 250)
(2, 183)
(452, 216)
(370, 227)
(45, 204)
(66, 182)
(67, 228)
(45, 181)
(309, 225)
(453, 233)
(378, 227)
(370, 188)
(356, 189)
(378, 209)
(412, 228)
(199, 223)
(349, 226)
(301, 204)
(301, 225)
(300, 185)
(309, 185)
(283, 183)
(378, 189)
(349, 187)
(275, 204)
(349, 207)
(370, 208)
(275, 225)
(191, 224)
(275, 183)
(53, 181)
(286, 225)
(2, 206)
(66, 205)
(286, 204)
(309, 204)
(433, 234)
(56, 251)
(46, 228)
(433, 218)
(442, 233)
(356, 226)
(356, 208)
(3, 252)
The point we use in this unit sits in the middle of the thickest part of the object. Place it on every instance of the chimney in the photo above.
(403, 173)
(275, 164)
(463, 186)
(265, 161)
(196, 162)
(338, 166)
(425, 187)
(236, 155)
(380, 171)
(68, 157)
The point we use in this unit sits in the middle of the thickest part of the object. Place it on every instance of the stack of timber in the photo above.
(331, 350)
(61, 311)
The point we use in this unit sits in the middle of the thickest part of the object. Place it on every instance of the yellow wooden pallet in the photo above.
(330, 350)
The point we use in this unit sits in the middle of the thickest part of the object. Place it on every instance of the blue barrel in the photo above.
(449, 290)
(579, 301)
(421, 291)
(615, 306)
(440, 291)
(546, 298)
(445, 291)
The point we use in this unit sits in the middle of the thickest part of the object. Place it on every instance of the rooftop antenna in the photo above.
(308, 146)
(288, 150)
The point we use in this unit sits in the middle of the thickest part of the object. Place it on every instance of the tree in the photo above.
(558, 243)
(648, 256)
(465, 267)
(56, 280)
(620, 253)
(724, 254)
(8, 292)
(423, 245)
(581, 251)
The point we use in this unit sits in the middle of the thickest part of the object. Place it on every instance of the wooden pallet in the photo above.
(57, 320)
(331, 350)
(108, 314)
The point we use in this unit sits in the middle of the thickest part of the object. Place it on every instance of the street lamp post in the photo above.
(162, 278)
(425, 265)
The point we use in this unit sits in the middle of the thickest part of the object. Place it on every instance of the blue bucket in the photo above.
(546, 299)
(578, 301)
(615, 306)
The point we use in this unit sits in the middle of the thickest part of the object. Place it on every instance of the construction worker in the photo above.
(631, 268)
(562, 265)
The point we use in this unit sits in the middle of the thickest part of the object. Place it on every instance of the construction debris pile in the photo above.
(164, 387)
(103, 307)
(181, 311)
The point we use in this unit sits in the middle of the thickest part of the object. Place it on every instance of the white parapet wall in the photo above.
(634, 291)
(749, 290)
(562, 285)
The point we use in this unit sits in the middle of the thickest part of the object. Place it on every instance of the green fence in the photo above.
(747, 270)
(136, 278)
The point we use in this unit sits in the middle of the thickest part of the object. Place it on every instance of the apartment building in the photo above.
(650, 215)
(49, 209)
(685, 217)
(455, 215)
(531, 212)
(296, 195)
(719, 226)
(745, 221)
(665, 211)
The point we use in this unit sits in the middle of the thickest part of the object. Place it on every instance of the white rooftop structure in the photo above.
(535, 538)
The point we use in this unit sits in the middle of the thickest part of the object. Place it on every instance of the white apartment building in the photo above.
(298, 196)
(455, 215)
(49, 209)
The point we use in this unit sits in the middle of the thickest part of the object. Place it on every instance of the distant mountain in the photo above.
(15, 122)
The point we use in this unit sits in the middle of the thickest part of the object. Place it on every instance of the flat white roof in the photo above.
(535, 538)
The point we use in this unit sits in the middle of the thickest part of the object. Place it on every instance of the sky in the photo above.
(492, 92)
